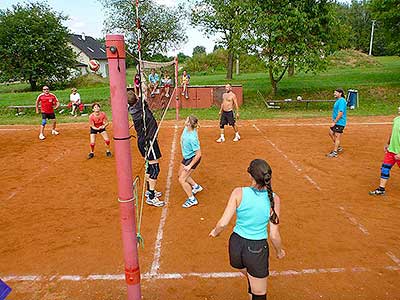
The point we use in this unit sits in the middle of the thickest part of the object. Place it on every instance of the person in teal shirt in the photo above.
(392, 156)
(154, 80)
(339, 119)
(191, 153)
(255, 206)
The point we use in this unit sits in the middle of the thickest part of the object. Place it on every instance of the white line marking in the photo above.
(157, 248)
(354, 221)
(295, 166)
(12, 195)
(393, 257)
(149, 276)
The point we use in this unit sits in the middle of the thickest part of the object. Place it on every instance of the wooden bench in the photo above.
(20, 108)
(276, 103)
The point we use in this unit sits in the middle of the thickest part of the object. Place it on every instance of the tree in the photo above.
(297, 32)
(34, 45)
(221, 17)
(387, 12)
(199, 50)
(161, 26)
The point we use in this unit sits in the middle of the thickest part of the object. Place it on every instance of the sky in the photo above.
(88, 15)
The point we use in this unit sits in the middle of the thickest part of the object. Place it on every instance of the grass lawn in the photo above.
(378, 87)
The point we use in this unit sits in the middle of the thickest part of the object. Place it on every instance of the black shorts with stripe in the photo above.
(153, 153)
(50, 116)
(252, 255)
(186, 162)
(96, 131)
(227, 117)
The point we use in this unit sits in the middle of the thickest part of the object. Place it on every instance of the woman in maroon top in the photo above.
(98, 122)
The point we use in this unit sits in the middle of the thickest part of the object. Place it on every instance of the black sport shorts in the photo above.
(96, 131)
(227, 117)
(50, 116)
(337, 128)
(186, 162)
(153, 154)
(252, 255)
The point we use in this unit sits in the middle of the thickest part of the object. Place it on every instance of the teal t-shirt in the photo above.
(340, 105)
(394, 145)
(252, 215)
(154, 78)
(189, 143)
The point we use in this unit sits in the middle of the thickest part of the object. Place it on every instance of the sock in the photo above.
(151, 194)
(148, 185)
(195, 186)
(259, 297)
(222, 135)
(191, 197)
(92, 147)
(381, 188)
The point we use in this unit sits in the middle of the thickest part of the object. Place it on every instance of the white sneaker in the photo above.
(156, 193)
(221, 140)
(155, 202)
(237, 138)
(41, 137)
(197, 189)
(55, 132)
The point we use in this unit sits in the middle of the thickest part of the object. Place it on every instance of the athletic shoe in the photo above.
(152, 95)
(54, 132)
(377, 192)
(237, 138)
(220, 140)
(108, 154)
(197, 189)
(183, 94)
(340, 149)
(156, 193)
(90, 155)
(155, 202)
(189, 203)
(187, 97)
(167, 95)
(41, 137)
(332, 154)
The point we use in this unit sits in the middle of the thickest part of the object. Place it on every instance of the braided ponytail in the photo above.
(273, 216)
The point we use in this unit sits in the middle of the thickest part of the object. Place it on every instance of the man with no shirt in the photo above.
(227, 116)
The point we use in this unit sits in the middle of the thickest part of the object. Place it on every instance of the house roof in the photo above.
(88, 45)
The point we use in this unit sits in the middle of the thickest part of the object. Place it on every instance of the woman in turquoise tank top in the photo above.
(256, 206)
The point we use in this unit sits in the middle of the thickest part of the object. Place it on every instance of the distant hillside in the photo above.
(351, 58)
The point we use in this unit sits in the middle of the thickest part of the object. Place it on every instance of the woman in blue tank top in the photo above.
(256, 206)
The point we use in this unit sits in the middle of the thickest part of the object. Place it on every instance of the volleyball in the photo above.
(94, 65)
(299, 98)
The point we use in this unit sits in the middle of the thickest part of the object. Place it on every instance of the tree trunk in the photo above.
(274, 83)
(229, 70)
(33, 83)
(291, 69)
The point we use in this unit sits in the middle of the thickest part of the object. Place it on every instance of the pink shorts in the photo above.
(390, 159)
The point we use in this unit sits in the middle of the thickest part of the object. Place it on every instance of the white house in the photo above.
(88, 48)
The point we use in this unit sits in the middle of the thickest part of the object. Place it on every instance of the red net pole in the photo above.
(177, 90)
(115, 48)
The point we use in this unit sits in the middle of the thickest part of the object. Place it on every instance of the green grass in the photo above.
(378, 86)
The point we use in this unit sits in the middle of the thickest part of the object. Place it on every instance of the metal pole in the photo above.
(176, 89)
(372, 38)
(237, 66)
(115, 48)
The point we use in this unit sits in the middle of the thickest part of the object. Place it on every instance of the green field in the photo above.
(378, 86)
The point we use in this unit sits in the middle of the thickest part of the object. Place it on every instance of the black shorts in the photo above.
(252, 255)
(186, 162)
(227, 117)
(95, 131)
(153, 154)
(50, 116)
(337, 128)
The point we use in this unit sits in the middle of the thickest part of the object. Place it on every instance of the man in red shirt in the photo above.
(48, 102)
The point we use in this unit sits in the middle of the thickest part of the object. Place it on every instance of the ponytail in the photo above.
(273, 217)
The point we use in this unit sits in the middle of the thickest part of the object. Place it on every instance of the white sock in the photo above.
(191, 197)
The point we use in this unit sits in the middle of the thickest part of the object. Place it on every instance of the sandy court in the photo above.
(60, 230)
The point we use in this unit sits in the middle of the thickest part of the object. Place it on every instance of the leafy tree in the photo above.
(34, 45)
(161, 26)
(297, 32)
(387, 12)
(182, 57)
(199, 50)
(221, 17)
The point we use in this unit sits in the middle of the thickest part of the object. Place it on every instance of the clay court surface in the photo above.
(60, 229)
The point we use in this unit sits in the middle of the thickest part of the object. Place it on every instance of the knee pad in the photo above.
(385, 171)
(259, 297)
(44, 122)
(107, 142)
(153, 170)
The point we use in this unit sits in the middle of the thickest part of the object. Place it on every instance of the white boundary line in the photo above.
(354, 221)
(157, 246)
(20, 188)
(295, 166)
(393, 257)
(244, 125)
(166, 276)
